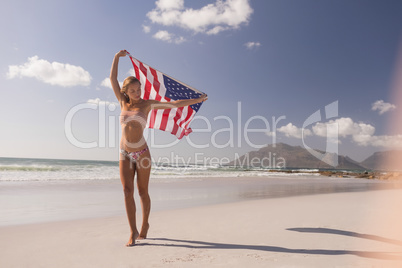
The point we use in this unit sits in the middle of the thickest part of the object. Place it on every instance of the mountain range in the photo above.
(282, 155)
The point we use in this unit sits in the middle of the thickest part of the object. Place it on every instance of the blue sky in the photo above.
(278, 60)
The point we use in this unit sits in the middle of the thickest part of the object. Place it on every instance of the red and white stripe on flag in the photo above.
(158, 86)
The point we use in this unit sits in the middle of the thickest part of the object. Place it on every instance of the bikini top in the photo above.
(129, 116)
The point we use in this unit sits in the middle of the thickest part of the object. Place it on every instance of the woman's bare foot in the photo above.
(144, 232)
(131, 241)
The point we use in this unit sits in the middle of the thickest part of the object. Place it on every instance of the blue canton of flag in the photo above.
(177, 91)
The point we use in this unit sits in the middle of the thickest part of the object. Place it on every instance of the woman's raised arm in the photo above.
(154, 105)
(114, 72)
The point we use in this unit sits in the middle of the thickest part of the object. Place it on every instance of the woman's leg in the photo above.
(127, 172)
(143, 172)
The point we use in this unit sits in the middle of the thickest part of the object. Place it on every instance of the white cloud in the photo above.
(252, 45)
(169, 4)
(361, 133)
(387, 141)
(106, 83)
(53, 73)
(168, 37)
(98, 101)
(210, 19)
(164, 36)
(291, 130)
(382, 106)
(146, 28)
(179, 40)
(346, 127)
(216, 30)
(131, 72)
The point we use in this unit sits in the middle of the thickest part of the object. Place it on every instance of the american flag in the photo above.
(161, 87)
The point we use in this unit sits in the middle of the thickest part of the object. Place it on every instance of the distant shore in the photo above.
(380, 175)
(365, 175)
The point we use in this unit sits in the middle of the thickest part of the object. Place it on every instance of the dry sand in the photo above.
(359, 229)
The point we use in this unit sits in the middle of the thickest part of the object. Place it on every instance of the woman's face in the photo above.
(134, 91)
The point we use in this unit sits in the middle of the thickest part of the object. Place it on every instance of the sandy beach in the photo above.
(350, 229)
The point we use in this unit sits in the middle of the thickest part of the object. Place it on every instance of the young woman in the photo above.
(135, 157)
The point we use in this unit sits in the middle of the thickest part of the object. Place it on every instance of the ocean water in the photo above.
(24, 169)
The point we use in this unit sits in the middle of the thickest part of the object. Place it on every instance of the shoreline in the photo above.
(352, 229)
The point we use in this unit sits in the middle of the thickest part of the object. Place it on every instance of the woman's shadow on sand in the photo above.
(346, 233)
(193, 244)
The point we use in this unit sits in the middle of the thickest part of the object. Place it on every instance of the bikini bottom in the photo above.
(133, 156)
